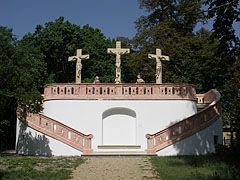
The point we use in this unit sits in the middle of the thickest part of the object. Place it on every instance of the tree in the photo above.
(7, 45)
(22, 74)
(100, 63)
(60, 39)
(170, 27)
(225, 14)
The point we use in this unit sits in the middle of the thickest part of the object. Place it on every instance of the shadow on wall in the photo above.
(29, 144)
(202, 142)
(118, 110)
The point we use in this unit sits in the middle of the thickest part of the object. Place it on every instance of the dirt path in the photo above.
(114, 168)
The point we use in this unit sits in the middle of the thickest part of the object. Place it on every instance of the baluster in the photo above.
(69, 90)
(76, 90)
(133, 90)
(54, 91)
(61, 89)
(97, 91)
(112, 90)
(104, 90)
(141, 90)
(89, 90)
(177, 91)
(169, 90)
(162, 91)
(126, 90)
(148, 90)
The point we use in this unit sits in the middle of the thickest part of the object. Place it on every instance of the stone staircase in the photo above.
(118, 150)
(58, 131)
(209, 111)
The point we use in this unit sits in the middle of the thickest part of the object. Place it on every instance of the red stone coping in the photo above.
(188, 126)
(119, 91)
(59, 131)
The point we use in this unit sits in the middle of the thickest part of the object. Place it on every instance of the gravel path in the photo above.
(114, 168)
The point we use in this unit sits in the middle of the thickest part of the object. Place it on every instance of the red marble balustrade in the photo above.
(119, 91)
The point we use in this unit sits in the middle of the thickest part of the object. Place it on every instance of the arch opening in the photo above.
(119, 126)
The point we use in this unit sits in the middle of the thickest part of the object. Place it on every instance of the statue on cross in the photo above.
(159, 58)
(78, 58)
(118, 51)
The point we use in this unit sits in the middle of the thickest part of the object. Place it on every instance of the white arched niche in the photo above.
(119, 126)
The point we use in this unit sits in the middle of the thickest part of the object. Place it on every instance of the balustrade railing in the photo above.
(119, 91)
(188, 126)
(59, 131)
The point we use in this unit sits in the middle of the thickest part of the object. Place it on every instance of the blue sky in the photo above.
(113, 17)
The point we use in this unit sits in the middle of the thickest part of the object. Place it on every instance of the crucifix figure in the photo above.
(78, 58)
(118, 51)
(159, 58)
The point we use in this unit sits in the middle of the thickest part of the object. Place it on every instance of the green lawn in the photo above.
(24, 167)
(208, 167)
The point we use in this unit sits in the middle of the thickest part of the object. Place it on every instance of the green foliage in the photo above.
(95, 44)
(169, 26)
(225, 14)
(22, 76)
(38, 167)
(208, 167)
(60, 39)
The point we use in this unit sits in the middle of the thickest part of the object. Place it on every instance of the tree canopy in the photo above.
(23, 73)
(60, 39)
(225, 14)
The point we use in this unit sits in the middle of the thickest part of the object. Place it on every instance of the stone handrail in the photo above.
(208, 97)
(188, 126)
(59, 131)
(119, 91)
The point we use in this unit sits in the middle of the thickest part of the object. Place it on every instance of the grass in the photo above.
(41, 168)
(205, 167)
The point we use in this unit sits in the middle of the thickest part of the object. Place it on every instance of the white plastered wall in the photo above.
(152, 116)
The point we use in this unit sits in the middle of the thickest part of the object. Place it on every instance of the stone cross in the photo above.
(78, 58)
(159, 58)
(118, 51)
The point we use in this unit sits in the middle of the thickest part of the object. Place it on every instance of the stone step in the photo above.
(117, 153)
(119, 146)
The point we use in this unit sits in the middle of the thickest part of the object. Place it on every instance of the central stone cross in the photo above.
(79, 57)
(159, 58)
(118, 51)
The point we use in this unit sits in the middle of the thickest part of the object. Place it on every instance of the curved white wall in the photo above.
(199, 143)
(90, 117)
